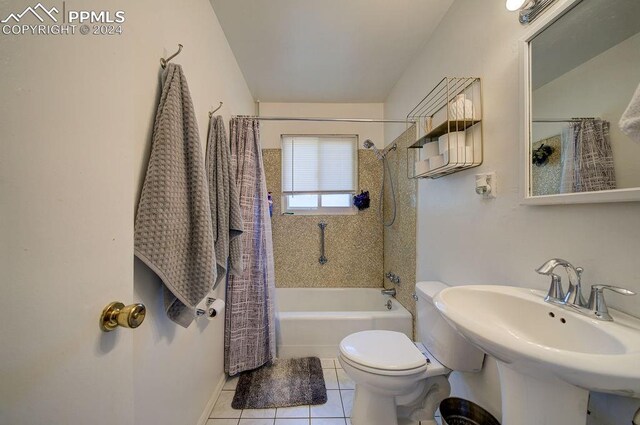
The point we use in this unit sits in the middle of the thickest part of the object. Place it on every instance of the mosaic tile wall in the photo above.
(545, 179)
(400, 238)
(353, 243)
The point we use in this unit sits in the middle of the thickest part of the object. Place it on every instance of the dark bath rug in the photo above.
(285, 383)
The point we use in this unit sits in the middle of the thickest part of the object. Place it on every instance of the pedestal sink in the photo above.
(549, 357)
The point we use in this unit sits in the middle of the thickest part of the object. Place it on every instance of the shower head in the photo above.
(368, 144)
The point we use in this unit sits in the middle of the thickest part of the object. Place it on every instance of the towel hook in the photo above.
(164, 62)
(215, 110)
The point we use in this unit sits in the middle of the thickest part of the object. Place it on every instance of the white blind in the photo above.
(313, 164)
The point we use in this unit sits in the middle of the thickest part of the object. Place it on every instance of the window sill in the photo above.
(322, 211)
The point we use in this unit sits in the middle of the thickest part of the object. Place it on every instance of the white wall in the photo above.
(270, 131)
(77, 115)
(176, 370)
(601, 87)
(463, 239)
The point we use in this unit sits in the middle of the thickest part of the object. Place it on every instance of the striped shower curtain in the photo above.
(249, 336)
(587, 157)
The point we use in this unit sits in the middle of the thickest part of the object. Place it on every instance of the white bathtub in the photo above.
(312, 322)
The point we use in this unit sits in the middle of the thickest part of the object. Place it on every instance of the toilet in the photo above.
(397, 378)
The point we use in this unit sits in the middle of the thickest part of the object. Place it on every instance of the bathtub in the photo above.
(312, 322)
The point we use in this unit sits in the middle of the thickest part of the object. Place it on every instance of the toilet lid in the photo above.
(385, 350)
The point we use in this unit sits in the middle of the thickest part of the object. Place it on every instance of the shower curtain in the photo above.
(249, 339)
(587, 157)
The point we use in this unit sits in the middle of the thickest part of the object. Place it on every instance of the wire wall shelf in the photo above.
(449, 129)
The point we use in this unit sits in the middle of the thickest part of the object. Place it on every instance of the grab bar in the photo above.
(323, 259)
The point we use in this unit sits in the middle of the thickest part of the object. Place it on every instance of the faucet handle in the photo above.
(597, 303)
(392, 277)
(616, 289)
(555, 294)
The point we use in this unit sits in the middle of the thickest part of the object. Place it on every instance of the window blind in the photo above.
(319, 164)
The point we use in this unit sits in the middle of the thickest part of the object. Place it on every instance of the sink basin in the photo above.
(517, 327)
(547, 354)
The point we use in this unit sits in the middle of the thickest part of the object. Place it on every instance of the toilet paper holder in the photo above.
(212, 312)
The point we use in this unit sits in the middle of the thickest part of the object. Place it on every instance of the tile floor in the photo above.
(336, 411)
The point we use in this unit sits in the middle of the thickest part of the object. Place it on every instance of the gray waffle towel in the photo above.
(173, 231)
(226, 217)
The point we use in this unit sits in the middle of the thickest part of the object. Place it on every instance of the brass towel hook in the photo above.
(215, 110)
(164, 62)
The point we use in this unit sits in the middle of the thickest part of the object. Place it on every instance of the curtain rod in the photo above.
(364, 120)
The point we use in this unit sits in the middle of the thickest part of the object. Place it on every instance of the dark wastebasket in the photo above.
(458, 411)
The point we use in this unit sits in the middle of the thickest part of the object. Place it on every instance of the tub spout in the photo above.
(391, 292)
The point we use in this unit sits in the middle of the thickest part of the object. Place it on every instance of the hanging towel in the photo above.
(173, 231)
(226, 217)
(630, 121)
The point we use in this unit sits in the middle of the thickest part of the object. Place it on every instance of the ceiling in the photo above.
(326, 50)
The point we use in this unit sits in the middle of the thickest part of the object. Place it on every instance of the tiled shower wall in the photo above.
(400, 237)
(353, 243)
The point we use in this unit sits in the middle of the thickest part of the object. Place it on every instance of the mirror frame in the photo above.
(618, 195)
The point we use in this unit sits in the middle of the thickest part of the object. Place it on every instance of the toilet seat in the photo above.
(383, 372)
(383, 353)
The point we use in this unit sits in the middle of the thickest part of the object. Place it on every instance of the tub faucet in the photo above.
(391, 292)
(574, 293)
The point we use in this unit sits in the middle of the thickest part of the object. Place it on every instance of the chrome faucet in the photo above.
(574, 293)
(574, 299)
(391, 292)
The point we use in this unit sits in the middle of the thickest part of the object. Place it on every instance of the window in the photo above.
(319, 174)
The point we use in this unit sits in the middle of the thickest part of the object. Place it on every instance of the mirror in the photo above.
(582, 66)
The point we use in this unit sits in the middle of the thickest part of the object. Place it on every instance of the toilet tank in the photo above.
(443, 341)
